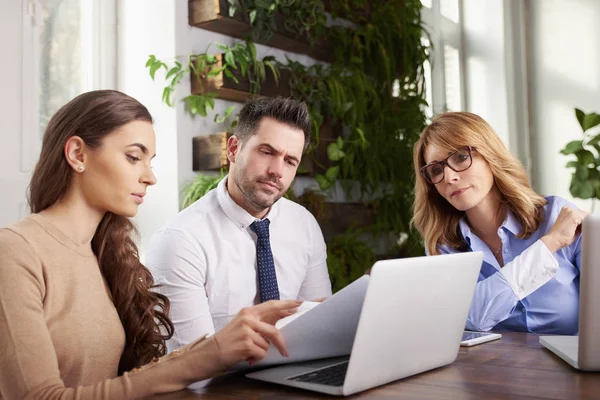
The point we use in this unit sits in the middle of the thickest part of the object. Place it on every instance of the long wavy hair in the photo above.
(143, 313)
(434, 217)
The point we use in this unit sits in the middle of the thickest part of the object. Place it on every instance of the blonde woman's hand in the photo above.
(247, 335)
(565, 230)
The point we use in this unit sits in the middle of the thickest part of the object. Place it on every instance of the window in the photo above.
(444, 76)
(450, 10)
(69, 47)
(428, 79)
(76, 53)
(452, 85)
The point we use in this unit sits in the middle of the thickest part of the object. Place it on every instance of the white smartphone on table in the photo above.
(473, 338)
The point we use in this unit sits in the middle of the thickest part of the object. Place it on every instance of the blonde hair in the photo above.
(437, 220)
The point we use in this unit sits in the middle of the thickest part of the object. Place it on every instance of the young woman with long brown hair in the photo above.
(78, 318)
(471, 194)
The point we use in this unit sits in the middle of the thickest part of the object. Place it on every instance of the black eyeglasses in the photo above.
(458, 161)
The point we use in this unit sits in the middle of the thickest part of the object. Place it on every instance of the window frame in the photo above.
(102, 54)
(443, 32)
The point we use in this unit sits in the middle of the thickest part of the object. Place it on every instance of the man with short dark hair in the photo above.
(242, 243)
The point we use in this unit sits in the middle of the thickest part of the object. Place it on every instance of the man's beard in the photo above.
(250, 191)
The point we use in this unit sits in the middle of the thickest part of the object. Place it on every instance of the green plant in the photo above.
(199, 187)
(227, 120)
(240, 57)
(348, 258)
(585, 181)
(367, 128)
(304, 18)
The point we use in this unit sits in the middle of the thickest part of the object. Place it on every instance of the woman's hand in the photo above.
(247, 335)
(565, 230)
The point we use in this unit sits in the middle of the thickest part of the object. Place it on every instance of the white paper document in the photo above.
(304, 307)
(320, 330)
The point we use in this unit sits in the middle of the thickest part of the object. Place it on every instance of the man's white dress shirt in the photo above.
(205, 261)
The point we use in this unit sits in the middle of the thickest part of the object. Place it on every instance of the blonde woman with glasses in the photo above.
(471, 194)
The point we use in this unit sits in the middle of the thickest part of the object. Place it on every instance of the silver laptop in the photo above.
(583, 351)
(412, 320)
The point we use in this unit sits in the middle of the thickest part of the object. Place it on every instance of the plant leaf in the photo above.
(214, 72)
(172, 72)
(572, 164)
(594, 140)
(572, 147)
(230, 59)
(580, 117)
(231, 76)
(151, 60)
(323, 182)
(334, 153)
(581, 189)
(590, 121)
(166, 96)
(232, 7)
(153, 68)
(585, 157)
(229, 110)
(582, 172)
(332, 173)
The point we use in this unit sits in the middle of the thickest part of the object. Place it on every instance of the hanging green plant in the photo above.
(363, 130)
(296, 18)
(237, 61)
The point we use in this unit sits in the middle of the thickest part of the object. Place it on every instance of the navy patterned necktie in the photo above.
(267, 277)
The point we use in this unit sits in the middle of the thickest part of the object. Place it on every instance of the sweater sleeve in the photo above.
(29, 367)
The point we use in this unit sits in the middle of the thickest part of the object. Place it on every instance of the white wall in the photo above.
(148, 27)
(14, 174)
(565, 73)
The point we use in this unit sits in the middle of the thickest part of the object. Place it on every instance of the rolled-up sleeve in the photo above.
(497, 295)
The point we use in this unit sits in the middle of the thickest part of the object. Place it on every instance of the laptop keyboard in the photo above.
(331, 376)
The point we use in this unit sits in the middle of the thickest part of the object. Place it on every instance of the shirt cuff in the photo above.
(532, 269)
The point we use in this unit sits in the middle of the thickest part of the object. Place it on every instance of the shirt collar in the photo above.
(511, 223)
(240, 217)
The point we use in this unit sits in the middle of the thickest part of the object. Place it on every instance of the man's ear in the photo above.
(234, 145)
(75, 152)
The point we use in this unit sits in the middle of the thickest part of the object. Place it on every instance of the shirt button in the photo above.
(505, 251)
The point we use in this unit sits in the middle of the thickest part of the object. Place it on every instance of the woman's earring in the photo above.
(80, 168)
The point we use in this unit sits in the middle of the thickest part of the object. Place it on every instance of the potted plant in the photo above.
(585, 180)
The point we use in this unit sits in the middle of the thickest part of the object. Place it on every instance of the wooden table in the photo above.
(514, 367)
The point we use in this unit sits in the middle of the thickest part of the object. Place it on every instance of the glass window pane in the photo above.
(61, 57)
(449, 9)
(452, 78)
(428, 84)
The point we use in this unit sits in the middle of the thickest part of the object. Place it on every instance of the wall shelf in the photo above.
(213, 15)
(227, 89)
